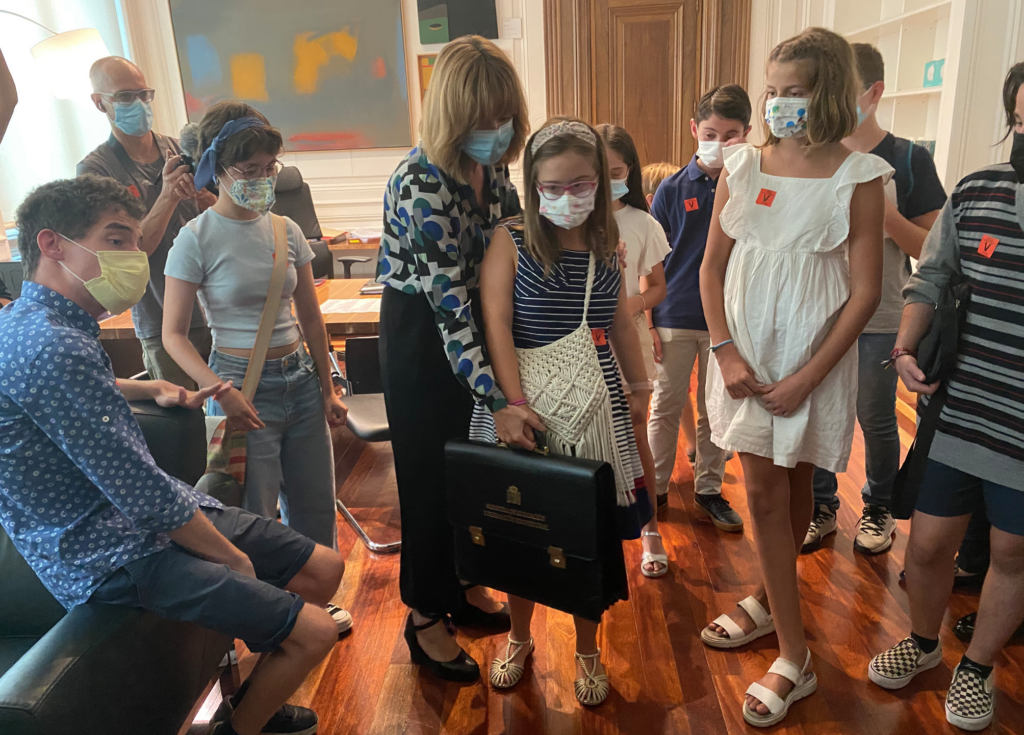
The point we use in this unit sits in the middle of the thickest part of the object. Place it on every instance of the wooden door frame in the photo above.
(723, 51)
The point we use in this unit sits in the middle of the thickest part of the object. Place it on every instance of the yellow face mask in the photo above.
(122, 280)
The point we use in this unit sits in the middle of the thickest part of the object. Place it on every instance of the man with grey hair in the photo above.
(151, 167)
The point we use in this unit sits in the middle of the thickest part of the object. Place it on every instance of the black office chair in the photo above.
(347, 261)
(367, 416)
(295, 201)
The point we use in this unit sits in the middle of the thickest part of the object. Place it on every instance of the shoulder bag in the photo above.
(936, 356)
(225, 460)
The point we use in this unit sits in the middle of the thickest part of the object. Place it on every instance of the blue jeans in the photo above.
(876, 413)
(291, 460)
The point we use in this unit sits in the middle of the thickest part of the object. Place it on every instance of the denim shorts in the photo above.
(948, 492)
(176, 584)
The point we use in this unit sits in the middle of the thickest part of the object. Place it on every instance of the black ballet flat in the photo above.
(462, 668)
(470, 616)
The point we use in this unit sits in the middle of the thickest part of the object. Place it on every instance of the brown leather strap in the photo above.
(270, 309)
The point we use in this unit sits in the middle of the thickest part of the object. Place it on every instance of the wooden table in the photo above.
(338, 325)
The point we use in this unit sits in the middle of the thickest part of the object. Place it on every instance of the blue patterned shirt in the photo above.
(433, 242)
(80, 494)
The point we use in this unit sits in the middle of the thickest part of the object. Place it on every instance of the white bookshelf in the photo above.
(909, 33)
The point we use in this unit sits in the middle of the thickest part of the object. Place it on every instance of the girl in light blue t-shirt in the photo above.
(226, 256)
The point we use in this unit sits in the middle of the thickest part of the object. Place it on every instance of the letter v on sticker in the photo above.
(987, 246)
(766, 197)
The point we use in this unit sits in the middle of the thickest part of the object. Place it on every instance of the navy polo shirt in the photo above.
(683, 205)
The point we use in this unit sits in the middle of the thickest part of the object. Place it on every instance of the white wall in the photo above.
(347, 186)
(47, 136)
(991, 40)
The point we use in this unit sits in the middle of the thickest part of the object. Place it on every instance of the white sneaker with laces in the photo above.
(822, 524)
(875, 530)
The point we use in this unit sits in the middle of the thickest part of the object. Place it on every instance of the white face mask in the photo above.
(710, 153)
(787, 116)
(568, 211)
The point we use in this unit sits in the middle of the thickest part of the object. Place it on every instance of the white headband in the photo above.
(565, 127)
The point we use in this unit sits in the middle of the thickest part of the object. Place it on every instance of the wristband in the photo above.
(897, 354)
(643, 301)
(520, 402)
(715, 348)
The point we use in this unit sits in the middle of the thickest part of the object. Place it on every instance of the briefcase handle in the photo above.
(541, 440)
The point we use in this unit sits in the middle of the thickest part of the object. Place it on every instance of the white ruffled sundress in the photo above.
(787, 280)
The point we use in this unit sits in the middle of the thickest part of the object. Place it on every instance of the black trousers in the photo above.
(427, 407)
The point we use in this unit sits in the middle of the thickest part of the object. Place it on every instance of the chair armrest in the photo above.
(354, 259)
(106, 669)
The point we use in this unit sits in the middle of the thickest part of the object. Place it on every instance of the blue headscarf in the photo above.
(208, 163)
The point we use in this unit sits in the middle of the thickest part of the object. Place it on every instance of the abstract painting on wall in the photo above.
(444, 20)
(426, 66)
(328, 75)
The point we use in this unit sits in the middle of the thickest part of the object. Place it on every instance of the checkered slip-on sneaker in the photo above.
(970, 702)
(894, 669)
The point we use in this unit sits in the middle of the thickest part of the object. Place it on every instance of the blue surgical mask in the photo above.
(486, 147)
(135, 118)
(619, 189)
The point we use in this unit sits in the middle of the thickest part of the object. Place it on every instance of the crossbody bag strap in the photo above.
(590, 286)
(270, 309)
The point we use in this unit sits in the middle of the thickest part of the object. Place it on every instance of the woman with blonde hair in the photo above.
(441, 207)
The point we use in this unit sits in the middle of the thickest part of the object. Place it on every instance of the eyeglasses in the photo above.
(557, 191)
(128, 96)
(255, 172)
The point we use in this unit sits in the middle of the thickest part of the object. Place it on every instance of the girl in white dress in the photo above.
(791, 276)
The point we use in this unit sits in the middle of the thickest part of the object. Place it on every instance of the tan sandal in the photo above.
(504, 673)
(593, 688)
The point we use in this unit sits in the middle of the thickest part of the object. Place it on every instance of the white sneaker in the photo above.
(341, 616)
(875, 530)
(822, 524)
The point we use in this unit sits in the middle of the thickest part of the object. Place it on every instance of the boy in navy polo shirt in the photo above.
(683, 205)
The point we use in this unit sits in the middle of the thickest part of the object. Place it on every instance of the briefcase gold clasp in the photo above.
(513, 496)
(478, 535)
(556, 556)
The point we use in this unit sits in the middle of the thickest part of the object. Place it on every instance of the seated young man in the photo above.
(80, 494)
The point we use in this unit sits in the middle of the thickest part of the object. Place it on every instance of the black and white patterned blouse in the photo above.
(433, 242)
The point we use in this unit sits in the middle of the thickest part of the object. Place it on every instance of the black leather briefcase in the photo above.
(541, 527)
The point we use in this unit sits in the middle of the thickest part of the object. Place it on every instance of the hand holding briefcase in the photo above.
(541, 527)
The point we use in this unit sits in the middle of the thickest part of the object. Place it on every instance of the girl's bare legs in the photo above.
(800, 513)
(522, 614)
(586, 643)
(773, 494)
(652, 544)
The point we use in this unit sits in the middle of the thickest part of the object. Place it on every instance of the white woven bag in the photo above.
(564, 384)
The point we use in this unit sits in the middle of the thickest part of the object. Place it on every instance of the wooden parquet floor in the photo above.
(664, 680)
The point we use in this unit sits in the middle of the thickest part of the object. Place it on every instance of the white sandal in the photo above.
(504, 673)
(593, 688)
(736, 638)
(651, 558)
(804, 684)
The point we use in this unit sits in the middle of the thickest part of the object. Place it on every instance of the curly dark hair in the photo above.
(70, 207)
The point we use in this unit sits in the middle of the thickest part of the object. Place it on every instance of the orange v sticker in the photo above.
(134, 191)
(691, 205)
(987, 246)
(600, 339)
(766, 197)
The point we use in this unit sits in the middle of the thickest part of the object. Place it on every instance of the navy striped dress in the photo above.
(548, 309)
